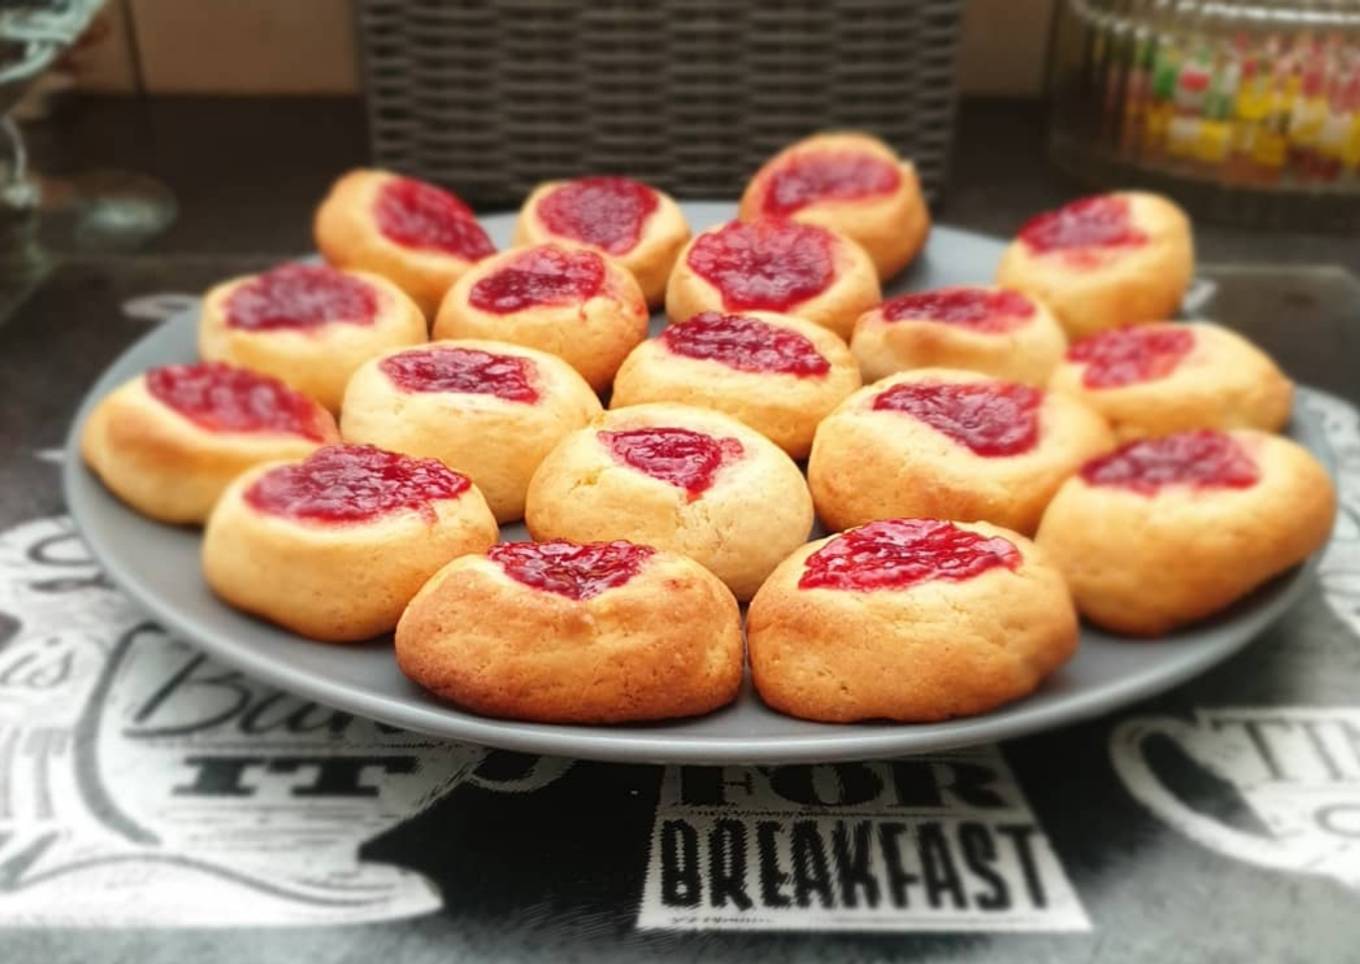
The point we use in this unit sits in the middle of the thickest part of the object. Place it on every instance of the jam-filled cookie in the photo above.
(169, 441)
(774, 265)
(569, 301)
(561, 632)
(684, 479)
(308, 324)
(913, 620)
(991, 330)
(1166, 531)
(333, 547)
(1104, 261)
(779, 374)
(488, 409)
(851, 182)
(634, 223)
(949, 444)
(418, 236)
(1165, 377)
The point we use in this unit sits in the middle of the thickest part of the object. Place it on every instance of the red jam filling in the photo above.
(897, 553)
(1202, 459)
(466, 370)
(811, 176)
(981, 309)
(222, 398)
(540, 276)
(354, 483)
(770, 265)
(687, 460)
(1124, 356)
(419, 215)
(575, 570)
(1101, 221)
(746, 344)
(608, 212)
(300, 296)
(990, 418)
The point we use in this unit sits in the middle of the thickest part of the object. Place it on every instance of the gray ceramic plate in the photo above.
(158, 565)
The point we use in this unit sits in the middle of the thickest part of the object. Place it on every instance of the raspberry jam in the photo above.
(444, 369)
(898, 553)
(770, 265)
(575, 570)
(300, 296)
(990, 418)
(354, 483)
(540, 276)
(811, 176)
(687, 460)
(419, 215)
(746, 344)
(1101, 221)
(1202, 459)
(222, 398)
(981, 309)
(1124, 356)
(608, 212)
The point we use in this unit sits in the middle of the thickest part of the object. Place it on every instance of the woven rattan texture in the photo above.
(492, 96)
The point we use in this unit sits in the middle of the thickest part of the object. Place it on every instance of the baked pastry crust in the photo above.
(496, 442)
(665, 644)
(868, 464)
(931, 651)
(1144, 565)
(782, 406)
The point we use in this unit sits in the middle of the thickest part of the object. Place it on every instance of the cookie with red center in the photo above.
(638, 226)
(566, 300)
(566, 632)
(991, 330)
(949, 444)
(1104, 261)
(774, 265)
(1167, 531)
(488, 409)
(684, 479)
(418, 236)
(909, 619)
(310, 325)
(779, 374)
(334, 546)
(1166, 377)
(169, 441)
(852, 183)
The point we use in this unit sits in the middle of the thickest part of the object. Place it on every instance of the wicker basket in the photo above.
(492, 96)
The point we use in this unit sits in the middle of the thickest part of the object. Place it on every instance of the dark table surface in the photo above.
(157, 807)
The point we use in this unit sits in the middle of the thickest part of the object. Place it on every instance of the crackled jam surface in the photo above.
(770, 265)
(1125, 356)
(419, 215)
(898, 553)
(608, 212)
(746, 344)
(807, 177)
(301, 296)
(1101, 221)
(540, 276)
(981, 309)
(687, 460)
(990, 418)
(576, 570)
(1202, 459)
(354, 483)
(471, 371)
(223, 398)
